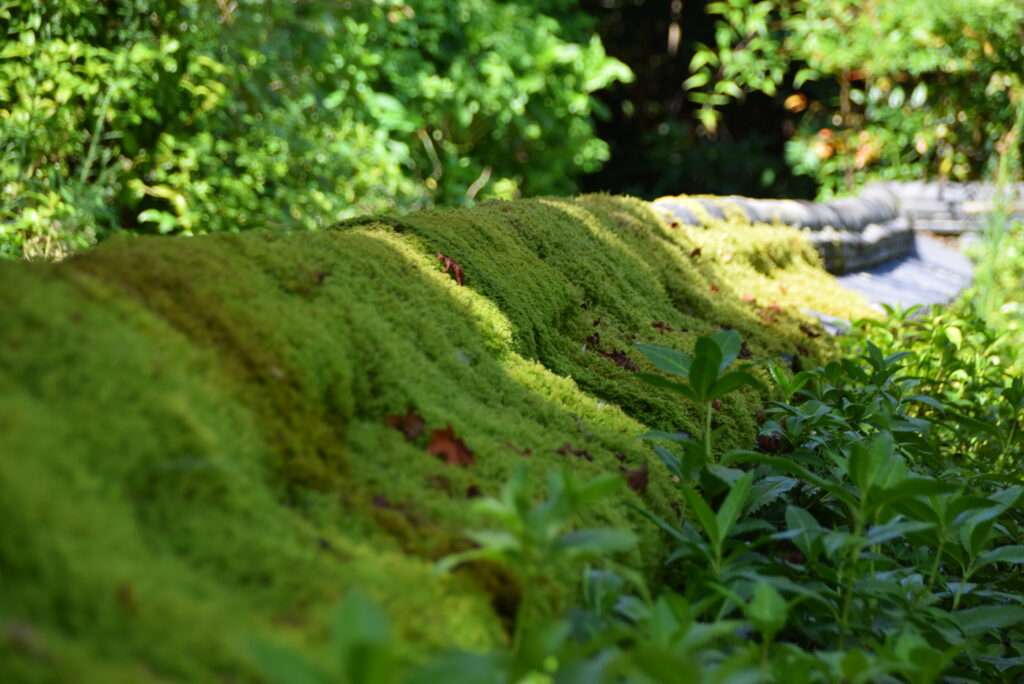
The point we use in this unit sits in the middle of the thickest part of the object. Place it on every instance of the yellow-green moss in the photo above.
(193, 445)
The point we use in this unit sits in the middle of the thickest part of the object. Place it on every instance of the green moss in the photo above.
(193, 436)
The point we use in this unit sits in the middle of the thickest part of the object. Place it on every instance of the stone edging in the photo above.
(953, 208)
(858, 233)
(851, 234)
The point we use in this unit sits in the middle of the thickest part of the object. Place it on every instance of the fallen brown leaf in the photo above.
(451, 265)
(636, 479)
(620, 358)
(579, 453)
(410, 424)
(444, 444)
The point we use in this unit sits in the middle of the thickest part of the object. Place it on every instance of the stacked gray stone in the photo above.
(954, 208)
(877, 242)
(851, 233)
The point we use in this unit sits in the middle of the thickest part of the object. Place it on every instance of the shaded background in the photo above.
(657, 146)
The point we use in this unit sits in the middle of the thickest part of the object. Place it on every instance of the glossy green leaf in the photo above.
(731, 382)
(975, 621)
(730, 344)
(1004, 554)
(705, 368)
(789, 467)
(595, 541)
(729, 511)
(912, 486)
(807, 528)
(666, 384)
(666, 360)
(705, 516)
(879, 534)
(667, 436)
(767, 610)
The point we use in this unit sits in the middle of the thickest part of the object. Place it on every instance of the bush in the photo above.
(900, 89)
(180, 116)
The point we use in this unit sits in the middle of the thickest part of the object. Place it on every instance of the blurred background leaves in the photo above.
(186, 116)
(804, 98)
(189, 116)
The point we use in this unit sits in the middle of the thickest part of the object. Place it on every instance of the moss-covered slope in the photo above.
(194, 444)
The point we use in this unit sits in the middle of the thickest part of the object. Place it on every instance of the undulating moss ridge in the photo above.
(194, 444)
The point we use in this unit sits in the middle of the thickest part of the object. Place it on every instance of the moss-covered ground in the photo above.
(195, 449)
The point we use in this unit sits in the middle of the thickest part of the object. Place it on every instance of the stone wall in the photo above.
(851, 234)
(953, 208)
(858, 233)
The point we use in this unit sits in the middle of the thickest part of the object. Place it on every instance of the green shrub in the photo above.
(898, 89)
(180, 116)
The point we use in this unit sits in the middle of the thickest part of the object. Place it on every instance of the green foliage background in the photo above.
(181, 116)
(789, 98)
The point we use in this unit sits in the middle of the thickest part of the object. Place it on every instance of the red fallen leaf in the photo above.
(594, 339)
(695, 252)
(747, 297)
(521, 452)
(474, 492)
(660, 325)
(714, 288)
(717, 405)
(567, 450)
(451, 265)
(674, 224)
(620, 358)
(809, 331)
(441, 482)
(636, 479)
(452, 449)
(775, 307)
(410, 424)
(770, 442)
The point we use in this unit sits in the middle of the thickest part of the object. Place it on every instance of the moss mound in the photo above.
(195, 443)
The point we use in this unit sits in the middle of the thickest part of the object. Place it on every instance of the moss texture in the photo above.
(194, 451)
